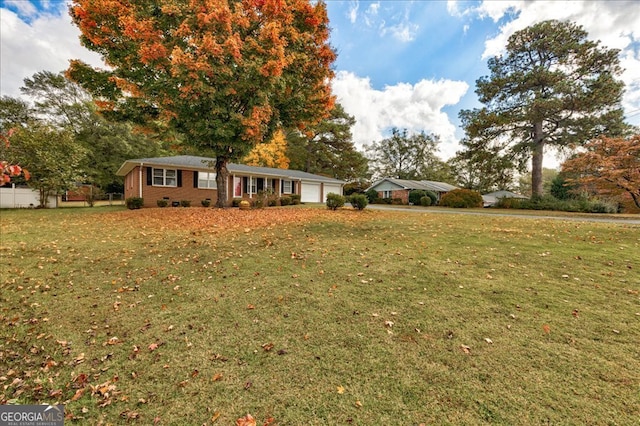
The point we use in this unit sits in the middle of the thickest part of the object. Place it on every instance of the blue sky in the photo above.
(405, 64)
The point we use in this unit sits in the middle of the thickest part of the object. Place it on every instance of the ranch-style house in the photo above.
(191, 178)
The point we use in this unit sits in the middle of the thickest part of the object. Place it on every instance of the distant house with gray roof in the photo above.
(492, 198)
(192, 178)
(400, 188)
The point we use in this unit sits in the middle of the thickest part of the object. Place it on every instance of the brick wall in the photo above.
(403, 194)
(186, 191)
(151, 194)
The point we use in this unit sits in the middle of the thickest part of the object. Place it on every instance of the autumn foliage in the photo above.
(226, 74)
(270, 154)
(609, 167)
(7, 171)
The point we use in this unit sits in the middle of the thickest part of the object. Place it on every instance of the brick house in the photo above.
(191, 178)
(400, 188)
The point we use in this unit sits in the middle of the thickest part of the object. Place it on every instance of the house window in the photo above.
(165, 177)
(253, 185)
(237, 186)
(269, 187)
(207, 180)
(286, 186)
(386, 194)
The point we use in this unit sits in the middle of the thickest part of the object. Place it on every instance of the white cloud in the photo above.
(415, 107)
(24, 8)
(403, 32)
(371, 14)
(47, 42)
(353, 11)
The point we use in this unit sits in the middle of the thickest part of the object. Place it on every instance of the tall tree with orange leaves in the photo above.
(609, 166)
(225, 73)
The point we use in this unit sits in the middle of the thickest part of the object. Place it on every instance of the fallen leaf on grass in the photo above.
(340, 389)
(217, 377)
(267, 347)
(153, 347)
(358, 404)
(247, 420)
(130, 415)
(546, 328)
(466, 349)
(489, 341)
(78, 394)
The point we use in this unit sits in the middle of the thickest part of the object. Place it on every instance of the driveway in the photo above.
(626, 220)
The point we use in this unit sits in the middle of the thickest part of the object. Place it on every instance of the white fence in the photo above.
(20, 198)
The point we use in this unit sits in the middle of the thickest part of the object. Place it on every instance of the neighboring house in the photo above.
(186, 177)
(492, 198)
(400, 188)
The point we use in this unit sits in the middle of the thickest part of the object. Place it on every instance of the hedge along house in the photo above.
(191, 178)
(400, 188)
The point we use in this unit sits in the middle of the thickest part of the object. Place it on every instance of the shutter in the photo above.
(149, 176)
(260, 184)
(245, 183)
(179, 178)
(195, 179)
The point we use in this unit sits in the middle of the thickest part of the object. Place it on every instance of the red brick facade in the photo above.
(139, 183)
(402, 194)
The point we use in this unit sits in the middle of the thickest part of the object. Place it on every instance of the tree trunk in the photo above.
(222, 175)
(536, 160)
(636, 199)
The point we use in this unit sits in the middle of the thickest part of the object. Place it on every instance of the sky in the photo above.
(405, 64)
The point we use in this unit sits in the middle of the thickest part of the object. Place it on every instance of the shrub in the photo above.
(335, 201)
(285, 201)
(206, 202)
(295, 199)
(386, 200)
(433, 196)
(397, 201)
(548, 202)
(164, 202)
(461, 198)
(359, 201)
(134, 203)
(372, 196)
(425, 201)
(236, 202)
(185, 203)
(258, 203)
(415, 196)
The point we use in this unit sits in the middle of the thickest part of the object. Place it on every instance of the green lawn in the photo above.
(368, 318)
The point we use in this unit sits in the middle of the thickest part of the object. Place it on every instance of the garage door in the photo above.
(310, 192)
(331, 188)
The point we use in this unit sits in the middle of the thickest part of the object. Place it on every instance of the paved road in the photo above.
(601, 219)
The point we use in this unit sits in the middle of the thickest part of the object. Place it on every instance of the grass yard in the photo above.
(310, 317)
